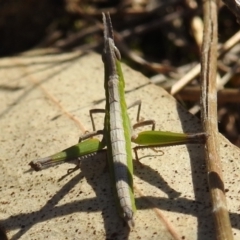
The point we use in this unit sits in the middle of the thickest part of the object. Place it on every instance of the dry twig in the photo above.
(209, 121)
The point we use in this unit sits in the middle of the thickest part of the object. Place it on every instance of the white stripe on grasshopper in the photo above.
(119, 152)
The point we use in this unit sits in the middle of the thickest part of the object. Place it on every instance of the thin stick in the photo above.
(209, 121)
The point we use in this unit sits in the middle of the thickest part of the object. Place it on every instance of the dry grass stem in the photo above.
(209, 121)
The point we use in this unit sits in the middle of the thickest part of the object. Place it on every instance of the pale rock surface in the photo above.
(44, 107)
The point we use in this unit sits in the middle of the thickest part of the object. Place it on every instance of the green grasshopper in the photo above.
(118, 133)
(117, 127)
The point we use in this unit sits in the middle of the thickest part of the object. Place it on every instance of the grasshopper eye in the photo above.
(117, 53)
